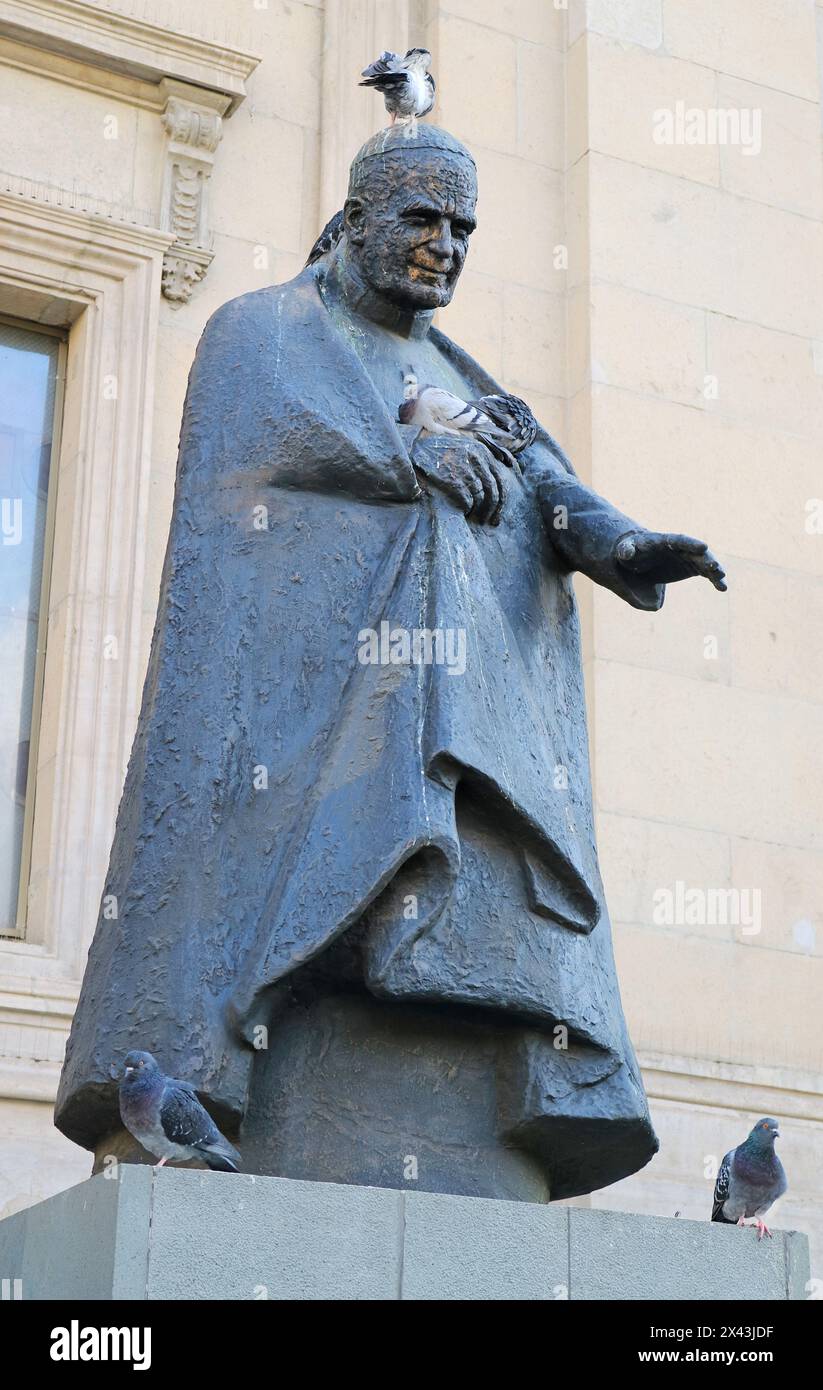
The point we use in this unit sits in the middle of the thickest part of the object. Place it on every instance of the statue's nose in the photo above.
(442, 245)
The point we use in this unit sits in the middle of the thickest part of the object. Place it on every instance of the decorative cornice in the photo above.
(56, 198)
(128, 44)
(195, 82)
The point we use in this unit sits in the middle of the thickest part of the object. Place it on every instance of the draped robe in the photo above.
(282, 789)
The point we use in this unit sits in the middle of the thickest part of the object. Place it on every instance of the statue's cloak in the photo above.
(278, 780)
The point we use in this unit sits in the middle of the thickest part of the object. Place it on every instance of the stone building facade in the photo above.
(647, 272)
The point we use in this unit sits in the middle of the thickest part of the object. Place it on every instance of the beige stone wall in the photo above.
(697, 385)
(660, 306)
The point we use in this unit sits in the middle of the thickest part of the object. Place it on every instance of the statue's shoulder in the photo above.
(256, 310)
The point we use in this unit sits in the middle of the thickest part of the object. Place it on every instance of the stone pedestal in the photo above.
(185, 1234)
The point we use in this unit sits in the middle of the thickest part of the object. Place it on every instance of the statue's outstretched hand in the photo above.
(665, 558)
(466, 471)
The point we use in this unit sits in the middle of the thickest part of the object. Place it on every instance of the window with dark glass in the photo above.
(29, 374)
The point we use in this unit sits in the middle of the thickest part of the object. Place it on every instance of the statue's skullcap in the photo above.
(395, 140)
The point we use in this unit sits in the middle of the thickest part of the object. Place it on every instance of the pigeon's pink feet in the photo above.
(762, 1230)
(160, 1164)
(741, 1221)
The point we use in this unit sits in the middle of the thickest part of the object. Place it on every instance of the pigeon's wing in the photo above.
(327, 239)
(385, 73)
(183, 1119)
(387, 62)
(186, 1122)
(450, 410)
(431, 94)
(721, 1187)
(770, 1189)
(782, 1182)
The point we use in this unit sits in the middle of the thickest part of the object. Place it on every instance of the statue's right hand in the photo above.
(466, 471)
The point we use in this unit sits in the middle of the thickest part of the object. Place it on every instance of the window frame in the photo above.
(97, 274)
(24, 865)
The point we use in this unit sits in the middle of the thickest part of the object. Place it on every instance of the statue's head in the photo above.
(409, 214)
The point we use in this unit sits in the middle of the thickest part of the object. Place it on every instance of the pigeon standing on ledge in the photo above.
(750, 1180)
(166, 1117)
(406, 84)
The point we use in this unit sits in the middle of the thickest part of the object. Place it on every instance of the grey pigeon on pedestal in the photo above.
(750, 1180)
(166, 1117)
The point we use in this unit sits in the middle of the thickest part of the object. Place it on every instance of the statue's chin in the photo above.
(413, 298)
(409, 289)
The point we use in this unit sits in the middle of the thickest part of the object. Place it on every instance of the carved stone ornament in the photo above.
(194, 133)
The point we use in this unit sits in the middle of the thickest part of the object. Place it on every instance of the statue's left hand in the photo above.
(664, 558)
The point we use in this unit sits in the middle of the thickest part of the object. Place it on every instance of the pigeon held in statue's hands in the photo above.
(503, 423)
(406, 84)
(750, 1179)
(166, 1117)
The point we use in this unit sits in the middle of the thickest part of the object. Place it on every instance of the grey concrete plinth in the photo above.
(186, 1234)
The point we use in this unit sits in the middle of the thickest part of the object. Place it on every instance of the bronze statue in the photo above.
(358, 900)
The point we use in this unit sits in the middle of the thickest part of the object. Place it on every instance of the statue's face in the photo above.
(408, 232)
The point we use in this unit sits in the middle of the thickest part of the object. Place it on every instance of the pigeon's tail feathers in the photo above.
(222, 1156)
(513, 416)
(186, 1122)
(328, 238)
(721, 1189)
(386, 81)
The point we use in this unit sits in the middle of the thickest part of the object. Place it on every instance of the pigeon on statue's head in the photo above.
(750, 1180)
(166, 1117)
(406, 84)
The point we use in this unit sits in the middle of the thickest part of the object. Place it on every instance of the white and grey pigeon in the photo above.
(406, 84)
(166, 1117)
(750, 1180)
(503, 423)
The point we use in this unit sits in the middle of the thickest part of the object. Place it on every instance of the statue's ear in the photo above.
(354, 218)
